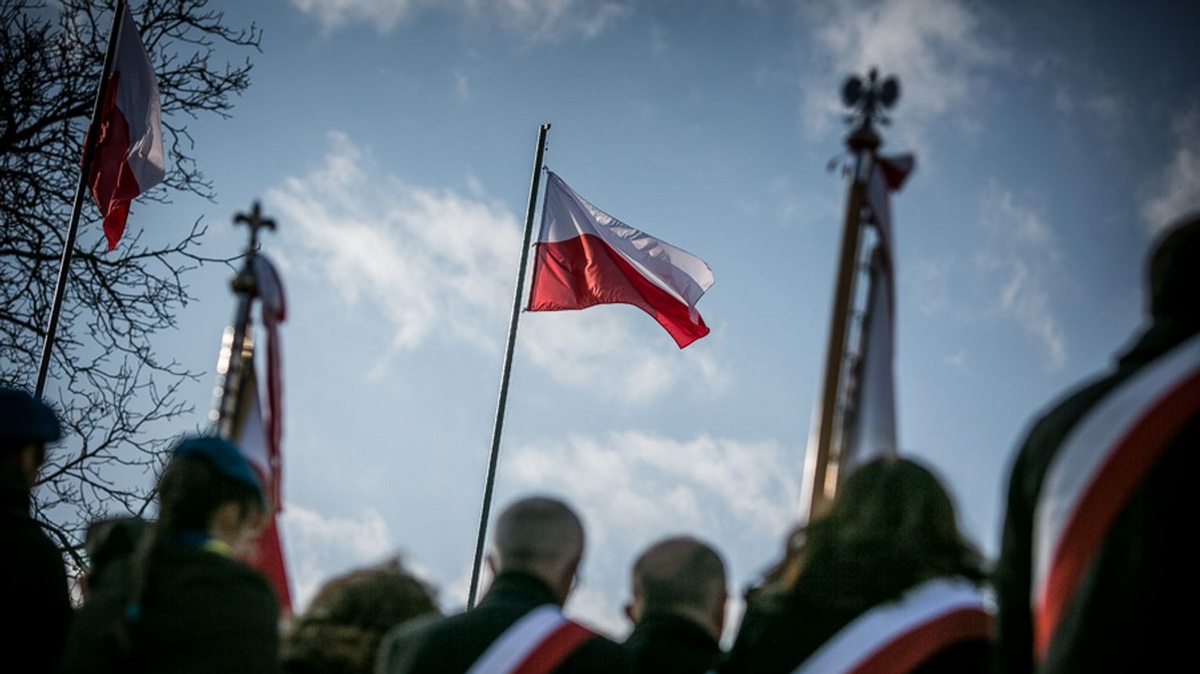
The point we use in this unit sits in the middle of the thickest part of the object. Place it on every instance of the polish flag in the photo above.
(127, 157)
(871, 419)
(260, 435)
(267, 557)
(586, 257)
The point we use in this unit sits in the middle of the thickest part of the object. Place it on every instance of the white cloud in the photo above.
(634, 487)
(383, 14)
(936, 48)
(437, 264)
(1175, 191)
(432, 262)
(1022, 254)
(534, 20)
(319, 548)
(600, 350)
(1083, 97)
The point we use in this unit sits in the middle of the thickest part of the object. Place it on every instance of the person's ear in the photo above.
(718, 614)
(29, 460)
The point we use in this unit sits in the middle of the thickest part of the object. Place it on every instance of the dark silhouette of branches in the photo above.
(117, 397)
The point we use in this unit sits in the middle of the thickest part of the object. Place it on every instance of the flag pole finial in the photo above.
(255, 221)
(245, 287)
(868, 100)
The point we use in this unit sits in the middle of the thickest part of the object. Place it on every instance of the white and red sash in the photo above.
(895, 638)
(535, 644)
(1100, 464)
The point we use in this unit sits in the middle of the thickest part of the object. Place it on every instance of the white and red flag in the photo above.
(127, 158)
(871, 423)
(259, 434)
(586, 257)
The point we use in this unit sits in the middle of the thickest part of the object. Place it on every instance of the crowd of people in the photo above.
(1090, 576)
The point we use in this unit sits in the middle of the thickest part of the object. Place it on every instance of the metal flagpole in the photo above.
(867, 98)
(508, 356)
(89, 142)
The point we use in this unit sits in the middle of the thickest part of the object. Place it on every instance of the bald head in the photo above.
(541, 536)
(682, 576)
(1174, 271)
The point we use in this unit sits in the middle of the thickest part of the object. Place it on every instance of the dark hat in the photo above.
(224, 455)
(24, 418)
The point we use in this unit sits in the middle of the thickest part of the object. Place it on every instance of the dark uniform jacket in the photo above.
(451, 645)
(202, 613)
(1126, 613)
(780, 633)
(668, 644)
(33, 585)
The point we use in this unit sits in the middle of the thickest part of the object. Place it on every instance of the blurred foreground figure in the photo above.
(678, 608)
(1096, 559)
(182, 602)
(518, 626)
(884, 582)
(33, 576)
(341, 630)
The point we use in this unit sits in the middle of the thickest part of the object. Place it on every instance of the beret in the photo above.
(24, 418)
(224, 455)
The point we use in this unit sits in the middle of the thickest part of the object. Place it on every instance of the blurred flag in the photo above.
(259, 434)
(127, 157)
(586, 257)
(871, 409)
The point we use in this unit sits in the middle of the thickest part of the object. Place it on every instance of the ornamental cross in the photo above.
(255, 221)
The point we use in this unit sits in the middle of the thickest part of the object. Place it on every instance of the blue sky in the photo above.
(392, 141)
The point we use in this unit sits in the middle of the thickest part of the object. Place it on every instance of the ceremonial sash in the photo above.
(1101, 462)
(535, 644)
(897, 637)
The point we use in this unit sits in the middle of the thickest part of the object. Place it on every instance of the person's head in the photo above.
(1173, 271)
(540, 536)
(26, 426)
(341, 629)
(208, 486)
(680, 576)
(108, 540)
(890, 526)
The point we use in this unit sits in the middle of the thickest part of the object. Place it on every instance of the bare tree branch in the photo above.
(118, 400)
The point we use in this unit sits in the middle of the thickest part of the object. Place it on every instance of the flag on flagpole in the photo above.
(259, 434)
(586, 257)
(871, 411)
(127, 156)
(871, 426)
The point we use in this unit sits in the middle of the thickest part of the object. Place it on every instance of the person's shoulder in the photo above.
(599, 653)
(400, 645)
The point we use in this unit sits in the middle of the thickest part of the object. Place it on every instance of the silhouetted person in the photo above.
(33, 576)
(1096, 570)
(884, 581)
(678, 608)
(183, 603)
(341, 629)
(535, 554)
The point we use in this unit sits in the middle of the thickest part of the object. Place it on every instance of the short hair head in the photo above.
(1173, 271)
(681, 576)
(679, 572)
(539, 535)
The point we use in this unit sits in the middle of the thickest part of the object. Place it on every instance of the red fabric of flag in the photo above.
(127, 155)
(586, 257)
